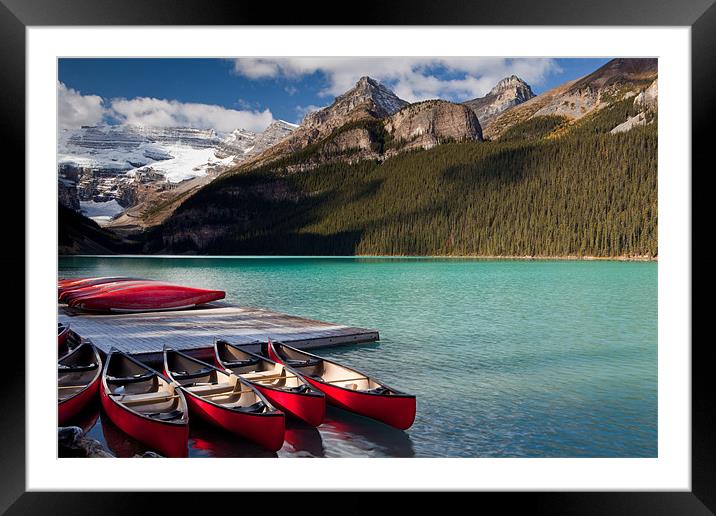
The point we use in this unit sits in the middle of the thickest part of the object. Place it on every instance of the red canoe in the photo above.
(63, 331)
(147, 297)
(348, 388)
(280, 384)
(225, 400)
(72, 295)
(69, 284)
(69, 344)
(78, 376)
(143, 404)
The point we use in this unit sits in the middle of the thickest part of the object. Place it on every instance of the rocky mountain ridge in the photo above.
(646, 103)
(370, 123)
(367, 100)
(424, 125)
(507, 93)
(243, 144)
(617, 80)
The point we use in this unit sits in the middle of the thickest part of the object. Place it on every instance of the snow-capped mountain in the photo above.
(237, 143)
(109, 150)
(101, 164)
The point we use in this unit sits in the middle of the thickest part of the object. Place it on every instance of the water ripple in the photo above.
(507, 358)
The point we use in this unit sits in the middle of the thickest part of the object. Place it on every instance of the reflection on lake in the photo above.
(343, 434)
(507, 358)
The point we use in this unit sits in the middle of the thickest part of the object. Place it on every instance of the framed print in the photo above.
(435, 248)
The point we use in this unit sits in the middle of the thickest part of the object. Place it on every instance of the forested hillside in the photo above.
(545, 188)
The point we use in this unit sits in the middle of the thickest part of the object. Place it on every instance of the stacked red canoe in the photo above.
(122, 294)
(245, 393)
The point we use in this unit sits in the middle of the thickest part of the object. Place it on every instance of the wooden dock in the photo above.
(145, 334)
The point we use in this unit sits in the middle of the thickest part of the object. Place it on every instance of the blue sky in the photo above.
(254, 91)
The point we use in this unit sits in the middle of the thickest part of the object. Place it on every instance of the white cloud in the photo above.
(291, 90)
(412, 78)
(170, 113)
(75, 110)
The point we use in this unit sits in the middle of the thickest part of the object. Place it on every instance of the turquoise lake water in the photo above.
(506, 358)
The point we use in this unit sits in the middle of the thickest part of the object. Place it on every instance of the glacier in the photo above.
(103, 162)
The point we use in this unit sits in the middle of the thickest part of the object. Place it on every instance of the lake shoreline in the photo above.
(387, 256)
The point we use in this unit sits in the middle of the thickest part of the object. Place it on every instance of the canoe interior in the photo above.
(214, 385)
(150, 396)
(70, 383)
(69, 344)
(264, 372)
(335, 374)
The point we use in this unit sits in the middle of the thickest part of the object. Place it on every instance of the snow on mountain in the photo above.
(242, 144)
(118, 149)
(109, 165)
(273, 134)
(185, 162)
(237, 143)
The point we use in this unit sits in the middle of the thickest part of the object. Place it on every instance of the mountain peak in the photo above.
(512, 82)
(367, 98)
(508, 92)
(384, 101)
(366, 81)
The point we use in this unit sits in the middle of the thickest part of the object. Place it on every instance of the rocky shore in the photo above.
(73, 442)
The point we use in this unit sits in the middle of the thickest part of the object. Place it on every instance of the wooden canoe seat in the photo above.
(211, 389)
(143, 397)
(264, 375)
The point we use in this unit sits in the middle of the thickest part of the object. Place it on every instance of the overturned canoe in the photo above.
(280, 384)
(73, 295)
(225, 400)
(144, 405)
(147, 297)
(78, 375)
(348, 388)
(73, 283)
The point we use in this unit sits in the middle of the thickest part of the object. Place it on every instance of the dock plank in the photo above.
(145, 334)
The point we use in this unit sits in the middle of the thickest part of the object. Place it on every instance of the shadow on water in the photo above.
(304, 439)
(208, 441)
(204, 440)
(119, 443)
(87, 419)
(372, 436)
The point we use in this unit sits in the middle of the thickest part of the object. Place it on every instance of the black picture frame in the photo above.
(17, 15)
